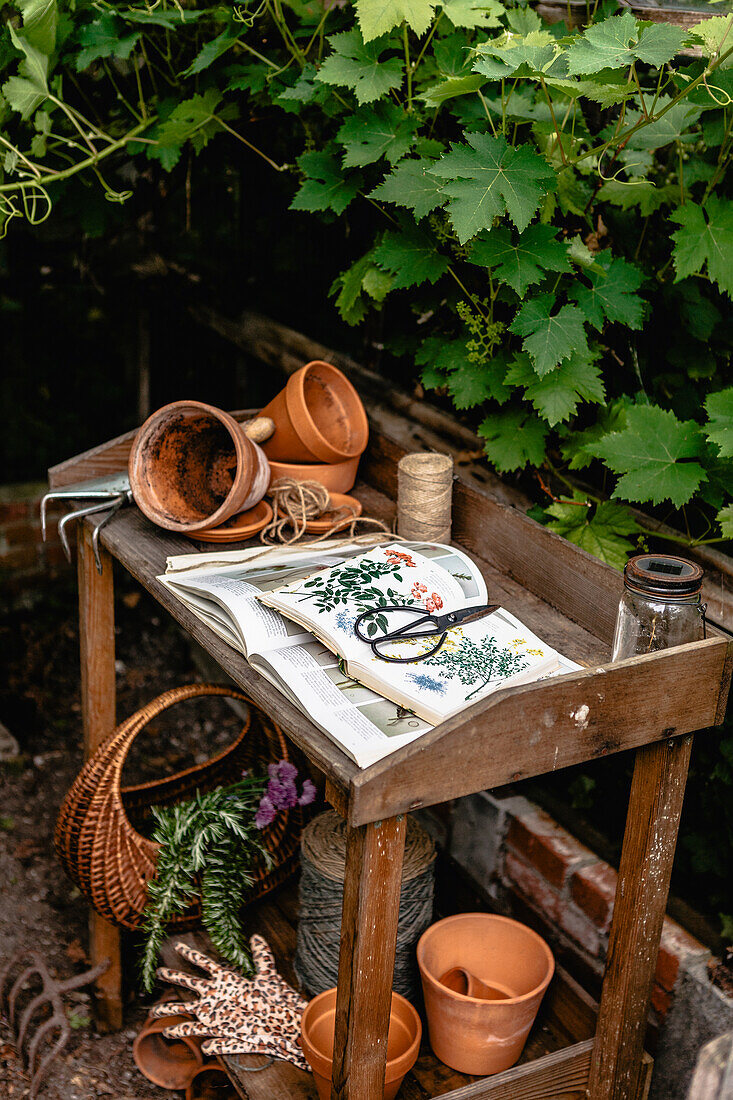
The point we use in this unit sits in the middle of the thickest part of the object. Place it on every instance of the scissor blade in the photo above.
(472, 614)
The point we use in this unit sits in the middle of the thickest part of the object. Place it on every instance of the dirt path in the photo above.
(39, 907)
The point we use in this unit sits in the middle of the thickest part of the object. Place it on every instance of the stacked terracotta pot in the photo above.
(321, 428)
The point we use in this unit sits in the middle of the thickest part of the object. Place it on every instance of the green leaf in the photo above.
(325, 186)
(535, 53)
(605, 90)
(40, 21)
(705, 239)
(352, 64)
(211, 51)
(171, 20)
(577, 447)
(725, 519)
(513, 438)
(487, 177)
(675, 125)
(191, 120)
(452, 86)
(375, 132)
(719, 407)
(377, 17)
(549, 338)
(603, 531)
(412, 185)
(473, 13)
(644, 194)
(411, 256)
(654, 456)
(713, 34)
(524, 263)
(557, 395)
(350, 284)
(620, 41)
(103, 38)
(612, 294)
(246, 78)
(469, 382)
(28, 90)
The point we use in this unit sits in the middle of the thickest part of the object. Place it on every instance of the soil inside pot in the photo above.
(192, 469)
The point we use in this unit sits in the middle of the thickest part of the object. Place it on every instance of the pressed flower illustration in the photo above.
(427, 683)
(471, 662)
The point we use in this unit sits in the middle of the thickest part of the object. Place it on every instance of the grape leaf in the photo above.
(171, 20)
(675, 125)
(436, 94)
(705, 238)
(40, 21)
(191, 120)
(536, 52)
(488, 177)
(211, 51)
(619, 41)
(363, 277)
(654, 456)
(473, 13)
(612, 294)
(375, 132)
(513, 438)
(603, 531)
(549, 338)
(606, 92)
(469, 383)
(411, 256)
(524, 263)
(246, 78)
(325, 187)
(558, 394)
(377, 17)
(577, 447)
(102, 38)
(725, 519)
(28, 90)
(719, 408)
(412, 185)
(355, 64)
(714, 33)
(644, 194)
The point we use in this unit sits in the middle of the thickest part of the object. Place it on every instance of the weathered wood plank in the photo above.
(536, 728)
(98, 694)
(562, 1075)
(372, 884)
(655, 805)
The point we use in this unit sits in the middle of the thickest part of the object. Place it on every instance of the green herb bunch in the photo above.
(210, 846)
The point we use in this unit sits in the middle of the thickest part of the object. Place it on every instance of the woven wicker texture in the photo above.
(96, 840)
(323, 861)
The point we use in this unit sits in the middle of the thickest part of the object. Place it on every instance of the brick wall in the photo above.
(23, 554)
(535, 870)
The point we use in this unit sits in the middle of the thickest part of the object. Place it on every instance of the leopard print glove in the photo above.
(238, 1015)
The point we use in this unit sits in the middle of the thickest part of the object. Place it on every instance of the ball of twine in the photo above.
(424, 491)
(323, 863)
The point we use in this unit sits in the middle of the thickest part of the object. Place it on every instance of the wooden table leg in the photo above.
(655, 804)
(372, 887)
(97, 646)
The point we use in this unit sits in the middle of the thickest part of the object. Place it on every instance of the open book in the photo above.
(224, 590)
(475, 659)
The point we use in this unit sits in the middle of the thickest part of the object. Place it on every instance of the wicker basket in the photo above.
(96, 839)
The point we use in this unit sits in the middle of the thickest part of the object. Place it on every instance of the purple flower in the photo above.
(284, 771)
(282, 795)
(266, 813)
(308, 794)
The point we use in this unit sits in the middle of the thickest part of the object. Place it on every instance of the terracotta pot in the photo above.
(210, 1082)
(338, 477)
(470, 1034)
(168, 1063)
(317, 1036)
(318, 417)
(192, 467)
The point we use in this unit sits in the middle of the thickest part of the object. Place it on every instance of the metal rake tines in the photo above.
(38, 1052)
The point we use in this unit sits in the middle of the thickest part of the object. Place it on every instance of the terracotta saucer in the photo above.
(238, 527)
(344, 507)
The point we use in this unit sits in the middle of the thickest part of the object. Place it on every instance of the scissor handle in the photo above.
(401, 631)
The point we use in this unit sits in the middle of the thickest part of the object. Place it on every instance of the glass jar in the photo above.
(660, 606)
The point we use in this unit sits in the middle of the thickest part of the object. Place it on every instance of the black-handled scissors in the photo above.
(426, 626)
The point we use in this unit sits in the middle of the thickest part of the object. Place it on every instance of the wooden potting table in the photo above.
(649, 704)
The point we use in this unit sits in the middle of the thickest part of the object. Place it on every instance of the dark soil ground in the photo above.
(39, 907)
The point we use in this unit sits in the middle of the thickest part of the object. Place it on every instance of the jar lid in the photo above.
(663, 575)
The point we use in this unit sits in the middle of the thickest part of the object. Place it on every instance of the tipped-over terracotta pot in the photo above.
(210, 1082)
(338, 477)
(192, 466)
(317, 1037)
(318, 417)
(168, 1063)
(471, 1034)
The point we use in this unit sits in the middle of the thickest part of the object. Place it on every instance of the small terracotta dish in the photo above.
(238, 527)
(343, 508)
(168, 1063)
(338, 477)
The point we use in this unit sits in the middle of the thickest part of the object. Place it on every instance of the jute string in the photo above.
(323, 857)
(295, 503)
(424, 491)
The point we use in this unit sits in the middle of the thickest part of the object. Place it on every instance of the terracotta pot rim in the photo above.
(497, 919)
(307, 429)
(243, 447)
(156, 1026)
(394, 1068)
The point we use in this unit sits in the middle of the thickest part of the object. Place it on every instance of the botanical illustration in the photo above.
(480, 663)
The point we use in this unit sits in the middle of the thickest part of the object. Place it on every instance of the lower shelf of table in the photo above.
(554, 1065)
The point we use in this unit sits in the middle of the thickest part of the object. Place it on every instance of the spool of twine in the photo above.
(424, 491)
(323, 861)
(294, 503)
